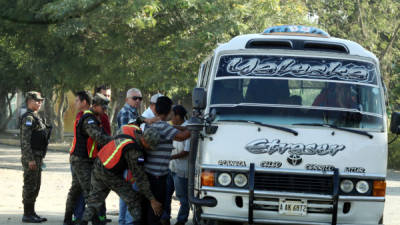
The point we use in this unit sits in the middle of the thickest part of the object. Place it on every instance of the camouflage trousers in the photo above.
(32, 181)
(81, 169)
(103, 181)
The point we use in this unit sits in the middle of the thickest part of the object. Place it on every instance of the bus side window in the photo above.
(227, 92)
(208, 71)
(201, 75)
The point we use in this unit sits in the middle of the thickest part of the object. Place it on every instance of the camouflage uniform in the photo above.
(104, 180)
(31, 122)
(81, 168)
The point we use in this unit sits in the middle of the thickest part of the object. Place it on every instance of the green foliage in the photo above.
(373, 24)
(394, 153)
(61, 45)
(126, 43)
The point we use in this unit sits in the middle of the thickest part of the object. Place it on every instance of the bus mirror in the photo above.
(395, 123)
(199, 98)
(212, 115)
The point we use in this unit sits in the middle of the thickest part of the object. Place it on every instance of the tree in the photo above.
(152, 45)
(373, 24)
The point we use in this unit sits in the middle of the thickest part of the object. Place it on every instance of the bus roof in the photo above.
(240, 42)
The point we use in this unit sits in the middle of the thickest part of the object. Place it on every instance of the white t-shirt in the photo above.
(179, 166)
(148, 114)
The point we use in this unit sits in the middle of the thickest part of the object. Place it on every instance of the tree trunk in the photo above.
(3, 112)
(392, 40)
(49, 113)
(117, 101)
(60, 117)
(5, 117)
(360, 19)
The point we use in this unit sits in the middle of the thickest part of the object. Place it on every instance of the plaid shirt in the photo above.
(125, 114)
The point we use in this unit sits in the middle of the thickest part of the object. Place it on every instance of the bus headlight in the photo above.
(362, 187)
(346, 186)
(240, 180)
(224, 179)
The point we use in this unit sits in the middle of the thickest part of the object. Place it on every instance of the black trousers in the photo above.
(158, 186)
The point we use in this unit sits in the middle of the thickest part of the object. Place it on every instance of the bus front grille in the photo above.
(312, 184)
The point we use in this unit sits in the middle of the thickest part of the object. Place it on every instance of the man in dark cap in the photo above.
(89, 137)
(34, 134)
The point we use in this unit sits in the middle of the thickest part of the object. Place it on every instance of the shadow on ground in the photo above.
(10, 158)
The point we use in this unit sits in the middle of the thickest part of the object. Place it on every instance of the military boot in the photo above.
(68, 218)
(43, 219)
(29, 216)
(96, 221)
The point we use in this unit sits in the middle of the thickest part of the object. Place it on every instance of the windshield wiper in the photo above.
(336, 127)
(264, 125)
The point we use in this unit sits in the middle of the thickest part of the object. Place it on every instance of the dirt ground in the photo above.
(56, 180)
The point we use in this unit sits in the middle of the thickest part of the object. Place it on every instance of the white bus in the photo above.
(290, 128)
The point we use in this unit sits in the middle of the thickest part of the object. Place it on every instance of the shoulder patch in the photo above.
(140, 160)
(29, 121)
(90, 121)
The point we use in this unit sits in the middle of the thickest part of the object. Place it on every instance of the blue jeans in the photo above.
(181, 188)
(180, 184)
(125, 217)
(168, 197)
(79, 207)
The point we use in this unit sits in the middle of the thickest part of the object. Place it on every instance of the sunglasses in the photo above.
(137, 98)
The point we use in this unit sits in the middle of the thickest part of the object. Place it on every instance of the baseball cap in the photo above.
(34, 95)
(152, 137)
(100, 99)
(154, 98)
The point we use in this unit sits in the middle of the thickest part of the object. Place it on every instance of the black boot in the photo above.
(96, 221)
(68, 218)
(43, 219)
(29, 216)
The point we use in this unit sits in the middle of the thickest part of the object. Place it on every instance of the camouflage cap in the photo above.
(152, 137)
(100, 99)
(34, 95)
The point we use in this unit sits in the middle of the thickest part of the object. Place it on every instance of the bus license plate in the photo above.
(293, 207)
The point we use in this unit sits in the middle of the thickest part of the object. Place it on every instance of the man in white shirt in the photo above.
(149, 113)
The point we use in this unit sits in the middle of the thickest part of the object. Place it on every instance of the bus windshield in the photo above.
(289, 100)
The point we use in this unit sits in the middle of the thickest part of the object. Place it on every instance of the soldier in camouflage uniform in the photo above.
(125, 152)
(88, 138)
(34, 135)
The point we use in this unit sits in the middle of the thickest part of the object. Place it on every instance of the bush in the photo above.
(394, 153)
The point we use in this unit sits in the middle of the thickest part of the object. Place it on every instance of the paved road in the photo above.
(56, 182)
